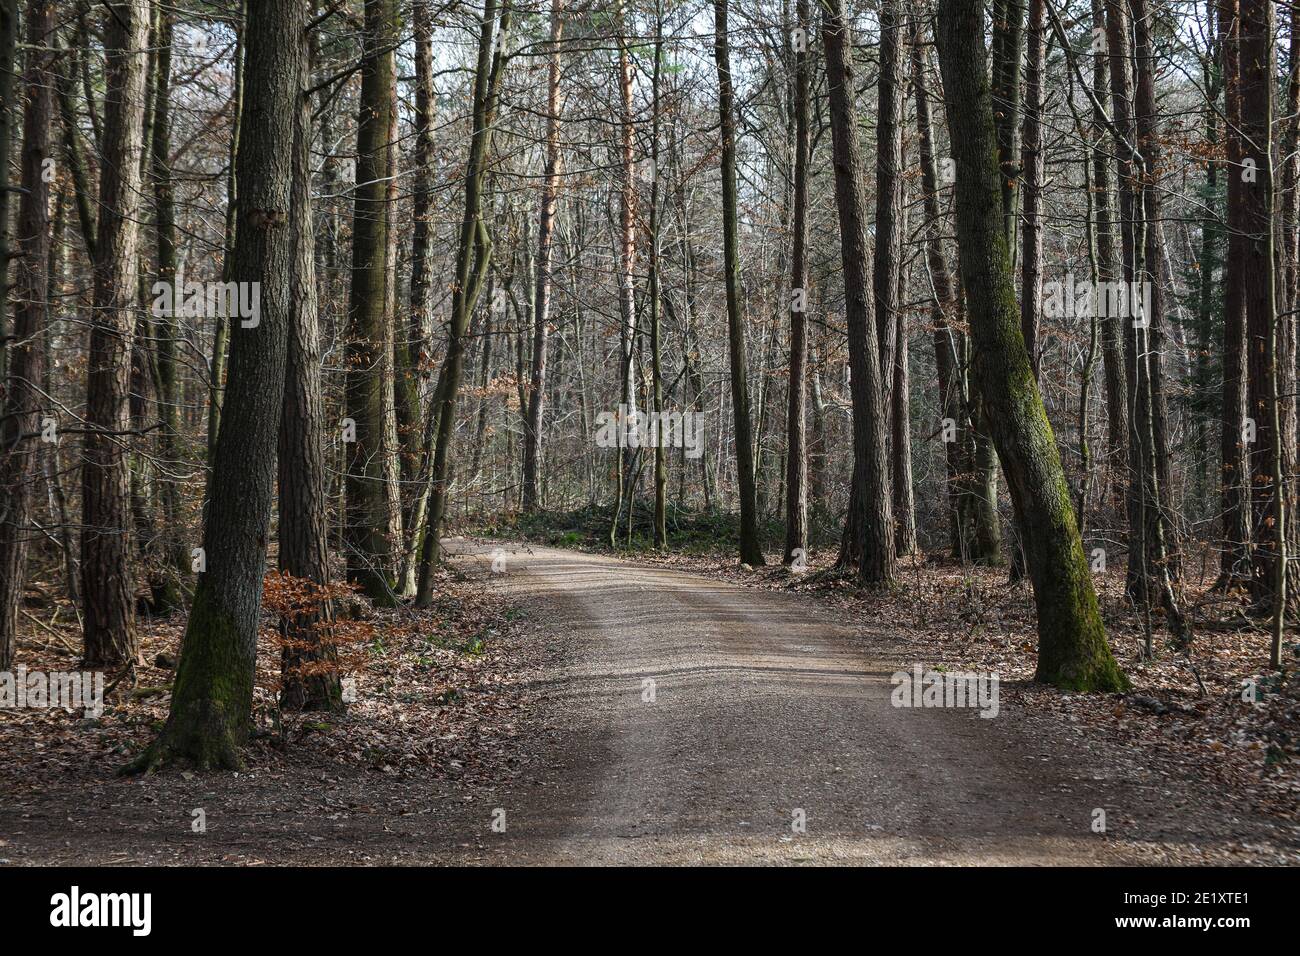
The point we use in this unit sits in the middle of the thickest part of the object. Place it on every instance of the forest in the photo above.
(372, 370)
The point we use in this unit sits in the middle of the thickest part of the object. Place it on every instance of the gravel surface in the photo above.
(766, 704)
(768, 708)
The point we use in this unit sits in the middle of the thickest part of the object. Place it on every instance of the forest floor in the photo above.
(562, 707)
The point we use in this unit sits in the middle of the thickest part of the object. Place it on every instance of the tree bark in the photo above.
(308, 661)
(1162, 539)
(869, 528)
(796, 460)
(1073, 652)
(542, 290)
(371, 553)
(1031, 170)
(473, 258)
(221, 337)
(1235, 568)
(1112, 334)
(1257, 66)
(8, 70)
(751, 551)
(626, 267)
(949, 342)
(167, 331)
(656, 351)
(891, 327)
(20, 414)
(213, 692)
(107, 584)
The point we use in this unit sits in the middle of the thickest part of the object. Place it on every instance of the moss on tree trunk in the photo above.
(213, 693)
(1073, 652)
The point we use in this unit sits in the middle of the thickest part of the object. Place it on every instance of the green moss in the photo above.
(212, 696)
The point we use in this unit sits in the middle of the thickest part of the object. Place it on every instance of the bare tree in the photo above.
(107, 580)
(1072, 641)
(212, 696)
(20, 414)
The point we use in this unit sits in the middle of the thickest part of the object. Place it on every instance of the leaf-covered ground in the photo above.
(438, 698)
(454, 716)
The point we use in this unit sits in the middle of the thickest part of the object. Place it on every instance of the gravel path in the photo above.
(768, 708)
(766, 704)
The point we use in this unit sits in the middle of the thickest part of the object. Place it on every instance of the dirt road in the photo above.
(677, 719)
(768, 708)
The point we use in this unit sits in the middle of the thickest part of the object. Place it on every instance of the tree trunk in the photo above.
(1008, 23)
(213, 692)
(1073, 652)
(107, 584)
(869, 528)
(221, 336)
(169, 596)
(308, 662)
(371, 557)
(627, 268)
(473, 258)
(751, 551)
(20, 414)
(1257, 66)
(890, 323)
(419, 324)
(949, 342)
(1008, 18)
(1112, 334)
(1235, 473)
(1031, 169)
(542, 290)
(796, 455)
(8, 70)
(1162, 540)
(656, 356)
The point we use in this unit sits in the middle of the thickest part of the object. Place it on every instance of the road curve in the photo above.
(767, 709)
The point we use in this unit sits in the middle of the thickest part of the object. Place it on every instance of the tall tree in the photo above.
(1008, 18)
(627, 254)
(473, 259)
(371, 555)
(890, 319)
(221, 336)
(1112, 335)
(1073, 651)
(419, 346)
(23, 398)
(308, 670)
(950, 343)
(1235, 472)
(8, 70)
(542, 288)
(796, 461)
(107, 584)
(1162, 541)
(751, 551)
(167, 595)
(1031, 170)
(656, 302)
(1258, 77)
(869, 527)
(212, 695)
